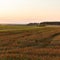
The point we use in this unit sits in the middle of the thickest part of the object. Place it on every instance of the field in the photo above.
(29, 43)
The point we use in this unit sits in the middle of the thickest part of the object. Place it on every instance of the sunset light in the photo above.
(25, 11)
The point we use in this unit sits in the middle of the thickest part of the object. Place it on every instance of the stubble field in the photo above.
(29, 43)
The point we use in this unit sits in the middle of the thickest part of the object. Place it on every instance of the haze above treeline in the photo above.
(36, 24)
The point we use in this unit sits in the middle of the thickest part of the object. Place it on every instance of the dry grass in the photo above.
(30, 44)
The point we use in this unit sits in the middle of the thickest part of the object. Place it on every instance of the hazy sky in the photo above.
(24, 11)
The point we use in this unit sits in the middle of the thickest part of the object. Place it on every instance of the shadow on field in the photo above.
(47, 41)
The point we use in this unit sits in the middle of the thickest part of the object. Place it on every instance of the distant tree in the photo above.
(50, 23)
(33, 24)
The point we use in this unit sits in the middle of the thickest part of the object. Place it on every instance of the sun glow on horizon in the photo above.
(25, 11)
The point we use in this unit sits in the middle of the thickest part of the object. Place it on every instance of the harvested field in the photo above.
(29, 43)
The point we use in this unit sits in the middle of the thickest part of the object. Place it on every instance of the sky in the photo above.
(27, 11)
